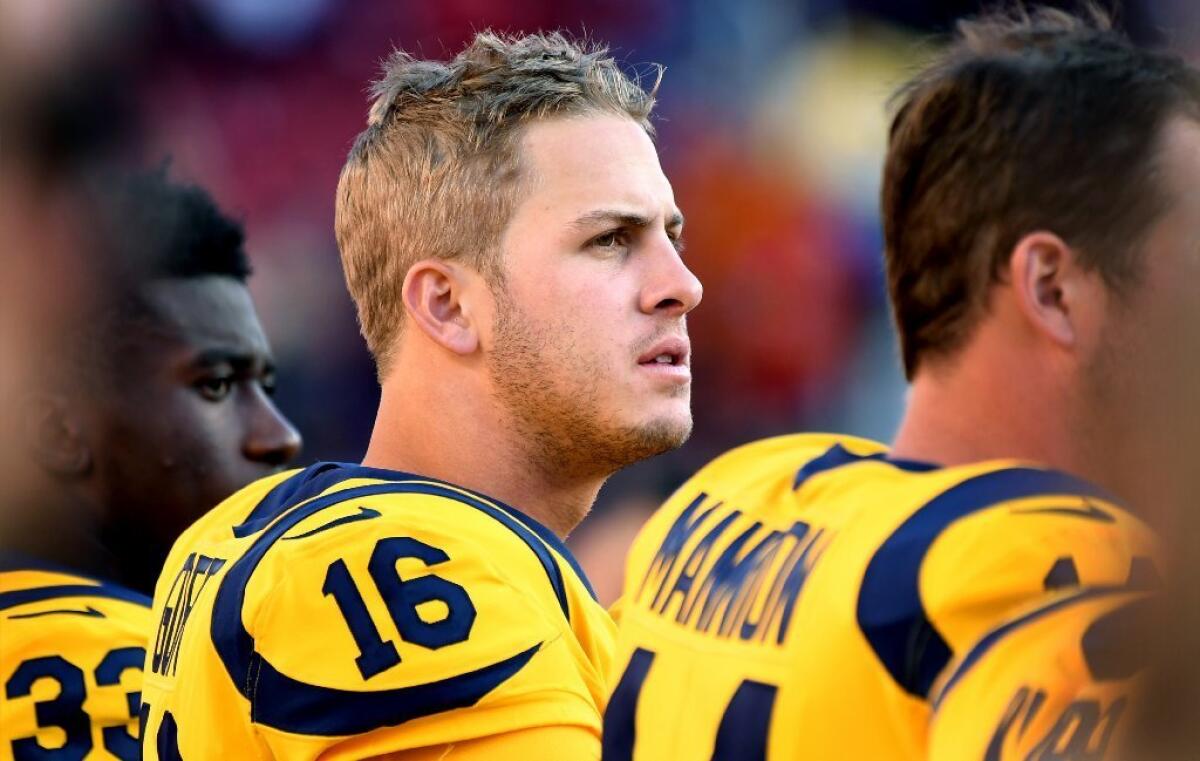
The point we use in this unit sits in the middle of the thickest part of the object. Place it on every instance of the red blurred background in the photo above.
(771, 125)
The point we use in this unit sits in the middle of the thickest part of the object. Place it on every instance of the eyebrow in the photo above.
(629, 219)
(239, 360)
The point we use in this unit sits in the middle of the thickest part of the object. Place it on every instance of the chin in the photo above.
(666, 432)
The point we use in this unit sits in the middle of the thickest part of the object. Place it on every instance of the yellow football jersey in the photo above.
(348, 612)
(1051, 683)
(71, 653)
(800, 596)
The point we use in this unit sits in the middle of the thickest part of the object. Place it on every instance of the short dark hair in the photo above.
(1029, 120)
(148, 226)
(137, 228)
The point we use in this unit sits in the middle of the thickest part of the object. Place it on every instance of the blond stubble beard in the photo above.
(552, 393)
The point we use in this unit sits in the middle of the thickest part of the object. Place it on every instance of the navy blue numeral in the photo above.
(118, 740)
(401, 598)
(375, 655)
(65, 711)
(746, 724)
(742, 736)
(620, 718)
(166, 741)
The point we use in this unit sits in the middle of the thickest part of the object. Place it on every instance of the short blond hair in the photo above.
(435, 173)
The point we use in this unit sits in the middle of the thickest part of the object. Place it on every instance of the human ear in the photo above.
(434, 294)
(54, 437)
(1043, 274)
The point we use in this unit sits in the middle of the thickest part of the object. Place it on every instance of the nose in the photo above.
(671, 288)
(271, 439)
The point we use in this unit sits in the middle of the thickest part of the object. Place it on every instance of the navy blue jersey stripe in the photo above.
(890, 612)
(321, 476)
(40, 594)
(87, 612)
(291, 705)
(992, 638)
(288, 493)
(837, 456)
(550, 538)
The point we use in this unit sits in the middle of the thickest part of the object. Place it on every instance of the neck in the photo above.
(959, 417)
(453, 430)
(974, 408)
(58, 532)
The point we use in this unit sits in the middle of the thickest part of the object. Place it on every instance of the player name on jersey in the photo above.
(189, 583)
(809, 597)
(749, 591)
(355, 612)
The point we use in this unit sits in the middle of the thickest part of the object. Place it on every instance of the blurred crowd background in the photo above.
(771, 125)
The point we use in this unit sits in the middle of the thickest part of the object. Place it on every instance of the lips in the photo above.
(671, 352)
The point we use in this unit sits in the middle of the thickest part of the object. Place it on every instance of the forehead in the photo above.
(1178, 228)
(1180, 156)
(1170, 252)
(576, 163)
(205, 312)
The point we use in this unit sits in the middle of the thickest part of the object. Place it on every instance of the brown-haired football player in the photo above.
(955, 595)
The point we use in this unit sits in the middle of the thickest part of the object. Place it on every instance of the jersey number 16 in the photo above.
(401, 598)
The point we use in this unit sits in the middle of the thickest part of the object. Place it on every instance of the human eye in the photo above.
(214, 388)
(268, 382)
(611, 240)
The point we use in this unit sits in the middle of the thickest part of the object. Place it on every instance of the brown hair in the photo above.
(435, 173)
(1030, 120)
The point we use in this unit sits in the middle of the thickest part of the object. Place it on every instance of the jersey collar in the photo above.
(322, 476)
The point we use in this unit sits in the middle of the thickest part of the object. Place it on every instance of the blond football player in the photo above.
(513, 249)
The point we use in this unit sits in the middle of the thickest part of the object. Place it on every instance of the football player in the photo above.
(827, 597)
(513, 250)
(152, 403)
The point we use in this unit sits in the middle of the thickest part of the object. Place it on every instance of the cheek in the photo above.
(1180, 334)
(602, 332)
(1169, 303)
(193, 433)
(582, 313)
(600, 285)
(589, 310)
(1168, 326)
(1157, 357)
(148, 452)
